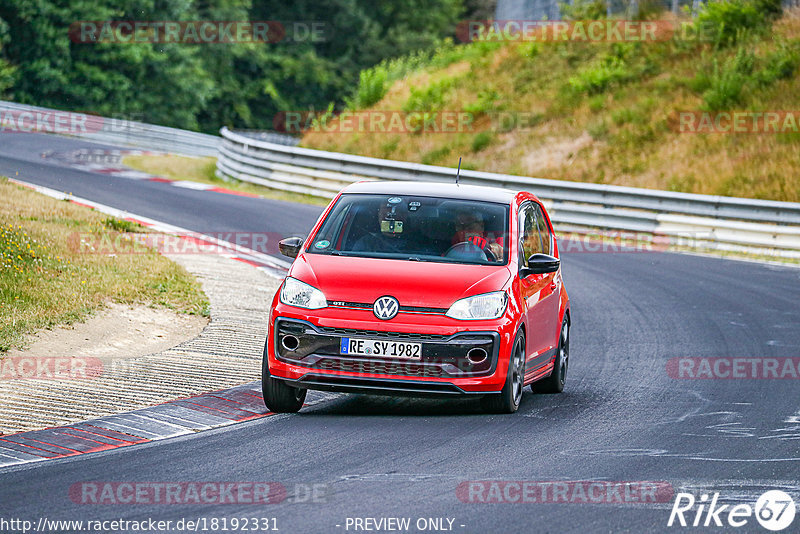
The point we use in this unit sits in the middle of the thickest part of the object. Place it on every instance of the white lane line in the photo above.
(243, 252)
(186, 184)
(135, 175)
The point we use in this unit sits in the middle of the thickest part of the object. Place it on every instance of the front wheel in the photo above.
(555, 382)
(279, 397)
(508, 400)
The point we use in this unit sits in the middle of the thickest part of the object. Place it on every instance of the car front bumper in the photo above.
(442, 370)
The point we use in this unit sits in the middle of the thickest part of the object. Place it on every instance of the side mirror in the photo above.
(291, 246)
(540, 264)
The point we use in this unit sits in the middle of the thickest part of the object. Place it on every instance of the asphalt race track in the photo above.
(200, 211)
(621, 418)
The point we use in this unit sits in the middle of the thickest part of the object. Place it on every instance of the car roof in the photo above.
(434, 189)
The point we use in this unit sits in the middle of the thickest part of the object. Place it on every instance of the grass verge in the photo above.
(604, 112)
(202, 170)
(46, 279)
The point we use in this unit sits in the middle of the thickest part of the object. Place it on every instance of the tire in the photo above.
(555, 382)
(279, 397)
(508, 400)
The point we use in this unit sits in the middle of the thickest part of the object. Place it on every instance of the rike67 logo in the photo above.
(774, 510)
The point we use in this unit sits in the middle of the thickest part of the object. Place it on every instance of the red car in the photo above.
(408, 288)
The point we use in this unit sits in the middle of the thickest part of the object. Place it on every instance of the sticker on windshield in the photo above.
(395, 200)
(322, 244)
(413, 206)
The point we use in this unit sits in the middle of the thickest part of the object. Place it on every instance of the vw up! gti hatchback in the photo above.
(407, 288)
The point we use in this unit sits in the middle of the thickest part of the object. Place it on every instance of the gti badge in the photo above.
(385, 308)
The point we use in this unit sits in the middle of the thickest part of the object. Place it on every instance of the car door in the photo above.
(539, 291)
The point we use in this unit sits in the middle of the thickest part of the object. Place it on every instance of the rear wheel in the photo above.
(508, 400)
(280, 397)
(555, 382)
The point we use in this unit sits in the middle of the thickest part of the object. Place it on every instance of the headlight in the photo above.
(486, 306)
(302, 295)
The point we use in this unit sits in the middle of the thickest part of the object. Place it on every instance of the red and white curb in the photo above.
(107, 162)
(155, 423)
(269, 264)
(170, 419)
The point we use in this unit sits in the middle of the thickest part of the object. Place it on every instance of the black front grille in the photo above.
(380, 368)
(423, 309)
(349, 332)
(319, 347)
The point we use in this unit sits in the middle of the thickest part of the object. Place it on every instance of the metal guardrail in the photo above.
(116, 131)
(272, 160)
(722, 223)
(270, 137)
(105, 130)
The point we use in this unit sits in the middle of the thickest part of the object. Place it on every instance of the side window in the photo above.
(331, 229)
(530, 242)
(544, 230)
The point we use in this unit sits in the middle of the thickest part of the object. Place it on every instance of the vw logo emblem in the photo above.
(385, 308)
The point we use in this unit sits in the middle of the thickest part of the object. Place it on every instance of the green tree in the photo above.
(205, 86)
(411, 25)
(357, 34)
(6, 71)
(165, 82)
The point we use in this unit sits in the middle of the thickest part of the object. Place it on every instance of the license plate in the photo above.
(385, 349)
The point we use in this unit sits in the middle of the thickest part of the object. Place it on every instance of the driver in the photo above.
(391, 237)
(470, 228)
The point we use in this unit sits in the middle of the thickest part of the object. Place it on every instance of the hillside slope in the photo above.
(599, 112)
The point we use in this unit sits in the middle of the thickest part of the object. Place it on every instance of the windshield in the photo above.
(415, 229)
